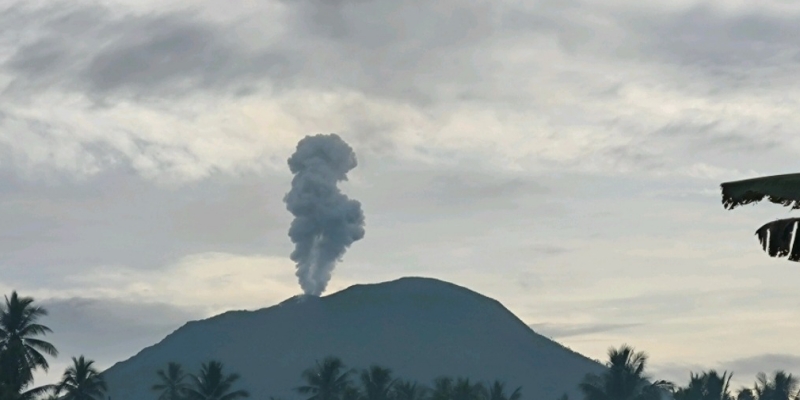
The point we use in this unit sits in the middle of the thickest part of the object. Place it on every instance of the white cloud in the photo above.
(455, 128)
(215, 282)
(498, 104)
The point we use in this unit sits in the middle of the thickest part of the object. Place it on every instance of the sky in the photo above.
(561, 156)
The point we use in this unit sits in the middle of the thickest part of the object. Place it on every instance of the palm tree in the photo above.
(326, 381)
(624, 380)
(497, 392)
(407, 390)
(351, 393)
(442, 388)
(717, 387)
(745, 394)
(693, 391)
(782, 386)
(377, 383)
(171, 385)
(776, 237)
(464, 390)
(213, 384)
(20, 350)
(81, 381)
(708, 386)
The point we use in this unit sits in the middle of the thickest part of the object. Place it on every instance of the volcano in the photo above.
(421, 328)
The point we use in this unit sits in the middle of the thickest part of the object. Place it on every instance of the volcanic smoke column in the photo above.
(326, 221)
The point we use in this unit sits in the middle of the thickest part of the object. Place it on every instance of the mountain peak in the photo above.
(419, 327)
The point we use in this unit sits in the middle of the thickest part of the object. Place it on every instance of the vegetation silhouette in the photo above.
(497, 391)
(746, 394)
(212, 384)
(463, 389)
(781, 386)
(377, 383)
(21, 349)
(706, 386)
(22, 352)
(625, 379)
(81, 381)
(442, 388)
(409, 390)
(777, 238)
(326, 381)
(172, 382)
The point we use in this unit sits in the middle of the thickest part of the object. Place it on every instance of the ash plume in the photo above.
(326, 221)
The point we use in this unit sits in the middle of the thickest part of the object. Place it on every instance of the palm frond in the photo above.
(235, 395)
(43, 346)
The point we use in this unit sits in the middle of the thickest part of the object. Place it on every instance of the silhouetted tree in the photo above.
(171, 383)
(81, 381)
(497, 392)
(693, 390)
(442, 388)
(706, 386)
(624, 379)
(781, 386)
(717, 387)
(407, 390)
(352, 393)
(464, 390)
(20, 349)
(326, 381)
(377, 383)
(213, 384)
(746, 394)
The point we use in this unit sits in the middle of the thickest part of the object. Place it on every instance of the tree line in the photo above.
(22, 352)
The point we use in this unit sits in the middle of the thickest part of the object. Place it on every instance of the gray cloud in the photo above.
(104, 53)
(743, 370)
(551, 250)
(56, 227)
(747, 368)
(431, 193)
(631, 311)
(327, 221)
(455, 55)
(368, 46)
(396, 49)
(92, 49)
(704, 37)
(700, 35)
(108, 330)
(677, 373)
(635, 157)
(363, 45)
(557, 331)
(118, 218)
(568, 82)
(721, 136)
(477, 189)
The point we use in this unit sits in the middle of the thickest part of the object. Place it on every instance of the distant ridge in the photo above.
(421, 328)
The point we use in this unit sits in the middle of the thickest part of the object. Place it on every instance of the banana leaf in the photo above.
(778, 238)
(779, 189)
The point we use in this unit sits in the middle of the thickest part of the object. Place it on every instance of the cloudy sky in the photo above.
(561, 156)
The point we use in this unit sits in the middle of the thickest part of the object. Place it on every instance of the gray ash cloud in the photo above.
(326, 221)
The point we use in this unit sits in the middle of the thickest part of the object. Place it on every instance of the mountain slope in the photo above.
(421, 328)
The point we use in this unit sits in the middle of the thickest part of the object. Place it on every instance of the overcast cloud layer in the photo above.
(560, 156)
